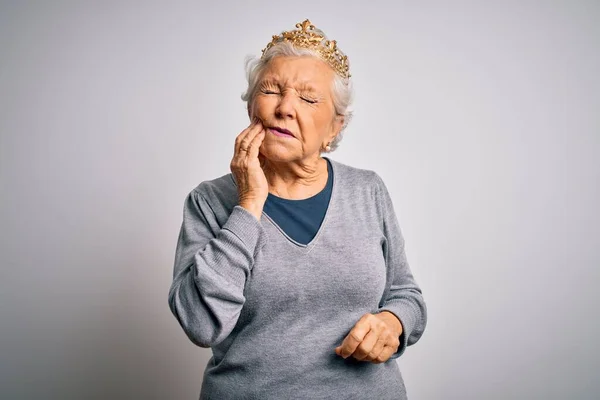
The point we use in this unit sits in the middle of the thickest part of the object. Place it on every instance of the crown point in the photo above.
(306, 37)
(305, 25)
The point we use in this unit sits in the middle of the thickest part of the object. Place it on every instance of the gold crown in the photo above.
(306, 37)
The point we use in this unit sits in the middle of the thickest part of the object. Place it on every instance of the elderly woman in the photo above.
(292, 268)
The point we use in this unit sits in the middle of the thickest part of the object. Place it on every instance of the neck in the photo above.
(296, 179)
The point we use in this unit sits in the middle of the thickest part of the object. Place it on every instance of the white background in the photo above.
(481, 117)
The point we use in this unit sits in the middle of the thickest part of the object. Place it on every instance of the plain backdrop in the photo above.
(481, 117)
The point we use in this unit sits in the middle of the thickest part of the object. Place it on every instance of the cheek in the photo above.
(254, 107)
(262, 106)
(322, 119)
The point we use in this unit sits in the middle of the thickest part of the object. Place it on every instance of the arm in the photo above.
(210, 270)
(403, 297)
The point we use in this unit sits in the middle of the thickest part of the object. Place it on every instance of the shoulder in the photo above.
(366, 187)
(356, 178)
(216, 187)
(219, 193)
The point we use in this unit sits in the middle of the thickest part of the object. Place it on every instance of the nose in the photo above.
(286, 106)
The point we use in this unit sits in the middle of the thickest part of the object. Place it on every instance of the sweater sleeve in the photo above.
(403, 297)
(210, 270)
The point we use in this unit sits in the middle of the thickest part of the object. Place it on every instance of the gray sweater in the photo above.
(273, 310)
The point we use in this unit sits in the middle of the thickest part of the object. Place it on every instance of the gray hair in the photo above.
(341, 87)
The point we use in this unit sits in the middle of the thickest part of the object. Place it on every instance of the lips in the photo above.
(282, 130)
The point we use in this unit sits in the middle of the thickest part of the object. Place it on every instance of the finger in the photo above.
(241, 135)
(252, 141)
(377, 349)
(385, 354)
(243, 139)
(366, 346)
(353, 339)
(254, 147)
(261, 158)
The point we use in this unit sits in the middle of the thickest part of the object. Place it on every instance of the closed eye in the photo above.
(268, 92)
(308, 100)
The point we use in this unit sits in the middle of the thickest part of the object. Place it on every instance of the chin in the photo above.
(277, 153)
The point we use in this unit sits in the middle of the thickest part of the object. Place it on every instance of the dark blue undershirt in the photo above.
(301, 219)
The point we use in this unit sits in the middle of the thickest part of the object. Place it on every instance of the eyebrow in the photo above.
(302, 86)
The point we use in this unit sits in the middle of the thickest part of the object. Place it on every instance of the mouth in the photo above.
(280, 131)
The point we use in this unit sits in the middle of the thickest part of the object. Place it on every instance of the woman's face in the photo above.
(294, 94)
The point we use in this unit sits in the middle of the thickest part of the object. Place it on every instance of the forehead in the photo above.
(306, 71)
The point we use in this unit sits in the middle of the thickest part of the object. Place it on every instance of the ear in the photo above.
(336, 127)
(338, 124)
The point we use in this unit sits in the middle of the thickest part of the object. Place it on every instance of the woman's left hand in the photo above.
(375, 337)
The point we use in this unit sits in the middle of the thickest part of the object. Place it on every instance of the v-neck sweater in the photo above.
(301, 219)
(273, 310)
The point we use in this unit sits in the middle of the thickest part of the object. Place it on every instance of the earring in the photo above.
(328, 147)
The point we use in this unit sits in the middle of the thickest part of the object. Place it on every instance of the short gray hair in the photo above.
(341, 88)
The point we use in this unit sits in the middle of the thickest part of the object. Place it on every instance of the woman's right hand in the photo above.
(252, 184)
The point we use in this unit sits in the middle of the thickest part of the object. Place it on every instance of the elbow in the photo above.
(200, 337)
(200, 326)
(200, 329)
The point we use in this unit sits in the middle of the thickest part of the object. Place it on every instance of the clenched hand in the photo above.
(375, 337)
